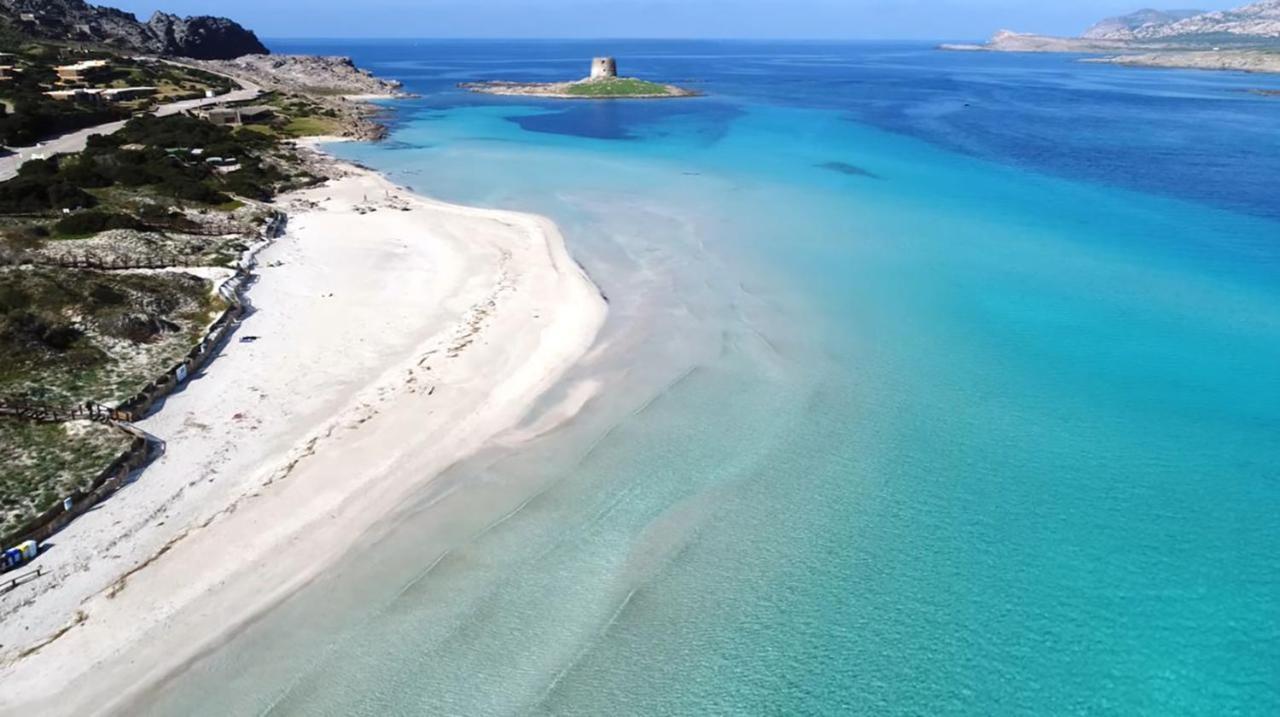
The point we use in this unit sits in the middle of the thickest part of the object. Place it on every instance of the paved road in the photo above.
(76, 141)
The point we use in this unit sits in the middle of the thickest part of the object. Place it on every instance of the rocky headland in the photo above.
(332, 86)
(313, 74)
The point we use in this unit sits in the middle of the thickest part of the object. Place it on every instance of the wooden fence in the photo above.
(108, 263)
(45, 413)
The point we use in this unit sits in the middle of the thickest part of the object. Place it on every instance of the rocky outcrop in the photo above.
(203, 37)
(333, 83)
(306, 74)
(1133, 25)
(77, 21)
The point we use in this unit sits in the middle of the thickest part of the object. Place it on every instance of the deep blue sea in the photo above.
(939, 384)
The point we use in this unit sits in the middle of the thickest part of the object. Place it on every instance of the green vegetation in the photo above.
(71, 335)
(191, 186)
(92, 222)
(297, 116)
(36, 116)
(175, 187)
(168, 156)
(46, 462)
(32, 193)
(616, 87)
(312, 127)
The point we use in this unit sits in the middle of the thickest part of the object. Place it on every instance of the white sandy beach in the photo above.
(390, 344)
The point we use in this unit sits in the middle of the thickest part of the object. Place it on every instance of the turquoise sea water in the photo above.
(939, 384)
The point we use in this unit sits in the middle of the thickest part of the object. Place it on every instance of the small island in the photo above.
(602, 84)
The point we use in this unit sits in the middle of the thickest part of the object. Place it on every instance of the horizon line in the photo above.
(606, 38)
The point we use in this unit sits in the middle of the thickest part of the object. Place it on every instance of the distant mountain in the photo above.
(1259, 20)
(1247, 38)
(203, 37)
(1255, 26)
(1133, 25)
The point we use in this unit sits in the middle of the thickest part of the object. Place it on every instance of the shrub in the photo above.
(68, 196)
(61, 338)
(196, 192)
(38, 168)
(39, 194)
(22, 325)
(94, 222)
(12, 298)
(156, 212)
(36, 117)
(107, 295)
(84, 173)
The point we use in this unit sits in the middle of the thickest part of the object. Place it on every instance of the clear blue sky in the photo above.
(889, 19)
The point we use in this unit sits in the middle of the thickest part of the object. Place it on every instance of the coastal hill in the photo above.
(1246, 38)
(1137, 24)
(1259, 20)
(75, 21)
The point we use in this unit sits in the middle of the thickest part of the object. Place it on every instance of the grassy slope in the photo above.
(46, 462)
(618, 87)
(70, 337)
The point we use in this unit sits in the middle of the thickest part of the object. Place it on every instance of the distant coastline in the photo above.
(1246, 39)
(1115, 52)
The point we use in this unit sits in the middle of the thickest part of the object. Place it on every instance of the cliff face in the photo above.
(77, 21)
(204, 37)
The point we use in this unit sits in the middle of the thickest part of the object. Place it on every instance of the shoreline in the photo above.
(1155, 55)
(307, 447)
(559, 91)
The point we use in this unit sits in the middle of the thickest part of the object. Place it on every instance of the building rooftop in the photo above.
(109, 93)
(251, 111)
(83, 65)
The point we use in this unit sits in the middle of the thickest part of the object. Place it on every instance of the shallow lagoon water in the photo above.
(939, 383)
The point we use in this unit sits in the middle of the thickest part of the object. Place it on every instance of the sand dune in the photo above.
(392, 336)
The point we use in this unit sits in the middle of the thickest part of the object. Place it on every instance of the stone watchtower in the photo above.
(603, 68)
